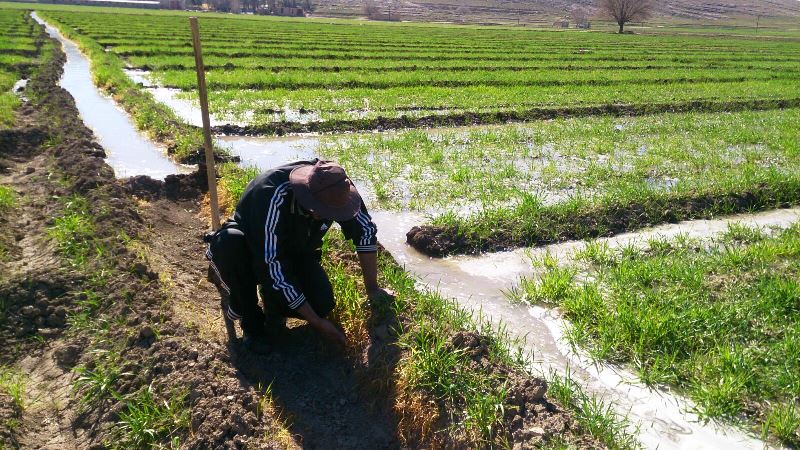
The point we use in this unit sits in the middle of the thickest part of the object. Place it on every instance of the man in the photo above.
(274, 241)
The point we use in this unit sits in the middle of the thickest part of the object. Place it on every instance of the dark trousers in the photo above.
(230, 259)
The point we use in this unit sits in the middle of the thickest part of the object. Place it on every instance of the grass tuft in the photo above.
(150, 418)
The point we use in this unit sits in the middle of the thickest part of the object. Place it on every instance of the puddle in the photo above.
(19, 88)
(129, 153)
(661, 184)
(183, 108)
(265, 153)
(478, 284)
(20, 85)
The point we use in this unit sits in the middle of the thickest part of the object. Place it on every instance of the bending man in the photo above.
(274, 242)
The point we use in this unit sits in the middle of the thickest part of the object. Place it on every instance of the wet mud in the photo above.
(552, 226)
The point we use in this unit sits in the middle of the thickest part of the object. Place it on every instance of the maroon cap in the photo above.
(325, 189)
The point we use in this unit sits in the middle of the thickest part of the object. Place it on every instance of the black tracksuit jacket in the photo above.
(277, 230)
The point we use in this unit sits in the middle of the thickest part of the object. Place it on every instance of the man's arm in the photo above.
(324, 326)
(369, 268)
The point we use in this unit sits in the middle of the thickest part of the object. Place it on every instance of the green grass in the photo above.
(73, 231)
(596, 416)
(8, 198)
(350, 75)
(151, 417)
(12, 383)
(17, 47)
(472, 399)
(719, 319)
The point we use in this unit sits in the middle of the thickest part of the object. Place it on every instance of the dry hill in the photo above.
(544, 11)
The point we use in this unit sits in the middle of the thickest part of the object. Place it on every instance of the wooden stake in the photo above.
(201, 85)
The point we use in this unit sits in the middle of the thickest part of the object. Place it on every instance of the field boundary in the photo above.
(552, 225)
(500, 117)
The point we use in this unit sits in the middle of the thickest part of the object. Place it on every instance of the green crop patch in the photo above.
(278, 75)
(583, 178)
(718, 318)
(18, 47)
(571, 164)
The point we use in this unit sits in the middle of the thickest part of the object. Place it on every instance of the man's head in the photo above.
(325, 189)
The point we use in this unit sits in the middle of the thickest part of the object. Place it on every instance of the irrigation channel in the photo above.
(477, 283)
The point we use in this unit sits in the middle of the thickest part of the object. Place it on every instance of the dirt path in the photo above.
(316, 388)
(45, 420)
(105, 312)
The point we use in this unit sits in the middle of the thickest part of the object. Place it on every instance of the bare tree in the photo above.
(625, 11)
(578, 13)
(371, 9)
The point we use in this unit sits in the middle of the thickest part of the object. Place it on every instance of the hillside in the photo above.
(543, 11)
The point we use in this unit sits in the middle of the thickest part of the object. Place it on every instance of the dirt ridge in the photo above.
(601, 221)
(52, 155)
(497, 117)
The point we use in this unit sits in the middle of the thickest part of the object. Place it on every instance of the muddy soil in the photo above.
(51, 155)
(316, 387)
(608, 220)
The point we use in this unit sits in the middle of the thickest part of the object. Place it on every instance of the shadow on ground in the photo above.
(321, 392)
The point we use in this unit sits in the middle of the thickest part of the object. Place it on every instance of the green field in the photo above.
(353, 76)
(669, 126)
(18, 49)
(619, 132)
(719, 318)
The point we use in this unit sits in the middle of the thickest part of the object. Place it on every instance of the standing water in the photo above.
(477, 283)
(128, 152)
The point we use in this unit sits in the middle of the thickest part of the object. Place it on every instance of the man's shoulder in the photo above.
(273, 178)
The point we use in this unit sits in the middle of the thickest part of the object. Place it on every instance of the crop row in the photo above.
(379, 45)
(348, 54)
(248, 28)
(336, 44)
(251, 79)
(596, 177)
(314, 64)
(570, 161)
(367, 104)
(283, 75)
(18, 49)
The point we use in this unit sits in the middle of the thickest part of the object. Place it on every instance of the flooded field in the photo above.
(546, 193)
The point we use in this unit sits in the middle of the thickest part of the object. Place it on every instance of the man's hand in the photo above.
(380, 295)
(331, 331)
(324, 326)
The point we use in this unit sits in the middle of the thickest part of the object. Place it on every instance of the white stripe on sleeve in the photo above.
(271, 249)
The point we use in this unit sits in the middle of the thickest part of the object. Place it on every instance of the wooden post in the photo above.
(209, 147)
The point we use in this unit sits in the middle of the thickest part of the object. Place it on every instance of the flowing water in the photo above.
(128, 151)
(478, 283)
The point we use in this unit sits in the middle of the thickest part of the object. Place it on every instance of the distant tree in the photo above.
(579, 14)
(625, 11)
(371, 9)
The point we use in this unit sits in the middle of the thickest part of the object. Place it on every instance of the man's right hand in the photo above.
(324, 326)
(331, 331)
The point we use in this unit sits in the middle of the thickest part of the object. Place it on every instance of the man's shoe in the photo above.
(256, 344)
